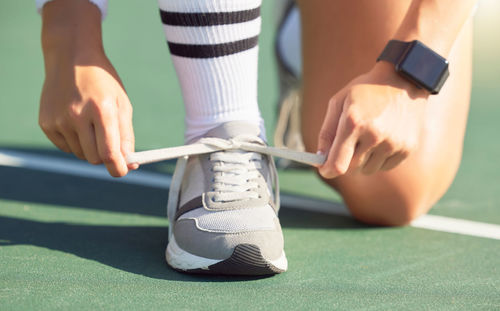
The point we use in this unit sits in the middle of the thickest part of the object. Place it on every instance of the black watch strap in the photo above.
(393, 51)
(417, 63)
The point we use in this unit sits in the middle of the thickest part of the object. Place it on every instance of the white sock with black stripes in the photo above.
(214, 48)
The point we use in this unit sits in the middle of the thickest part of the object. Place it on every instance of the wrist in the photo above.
(101, 4)
(71, 31)
(385, 71)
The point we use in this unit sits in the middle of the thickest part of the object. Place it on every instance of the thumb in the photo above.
(127, 137)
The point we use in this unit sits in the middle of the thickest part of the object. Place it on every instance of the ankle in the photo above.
(197, 130)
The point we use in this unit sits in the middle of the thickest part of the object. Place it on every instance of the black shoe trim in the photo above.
(246, 259)
(189, 206)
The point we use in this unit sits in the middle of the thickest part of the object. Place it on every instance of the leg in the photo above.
(223, 218)
(342, 39)
(214, 51)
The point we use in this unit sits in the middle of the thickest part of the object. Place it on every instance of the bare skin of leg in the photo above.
(341, 40)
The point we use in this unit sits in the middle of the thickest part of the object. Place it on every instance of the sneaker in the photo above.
(225, 220)
(224, 201)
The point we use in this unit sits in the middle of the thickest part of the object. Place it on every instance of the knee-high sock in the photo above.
(214, 48)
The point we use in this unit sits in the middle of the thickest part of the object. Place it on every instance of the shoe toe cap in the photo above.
(220, 245)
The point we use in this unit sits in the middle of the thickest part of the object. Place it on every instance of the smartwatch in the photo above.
(417, 63)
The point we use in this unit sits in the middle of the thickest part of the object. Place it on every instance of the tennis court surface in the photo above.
(73, 238)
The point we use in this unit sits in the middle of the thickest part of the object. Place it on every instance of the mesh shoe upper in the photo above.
(226, 200)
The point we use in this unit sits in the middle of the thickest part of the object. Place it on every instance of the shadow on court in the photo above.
(28, 185)
(135, 249)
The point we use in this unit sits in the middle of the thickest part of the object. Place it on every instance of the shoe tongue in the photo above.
(234, 128)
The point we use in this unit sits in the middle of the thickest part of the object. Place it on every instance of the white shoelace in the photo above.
(234, 175)
(234, 169)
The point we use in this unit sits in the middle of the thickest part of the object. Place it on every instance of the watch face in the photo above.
(424, 66)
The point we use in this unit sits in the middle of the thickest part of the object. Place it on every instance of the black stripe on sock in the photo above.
(212, 50)
(208, 19)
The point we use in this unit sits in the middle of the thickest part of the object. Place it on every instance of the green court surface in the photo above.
(71, 238)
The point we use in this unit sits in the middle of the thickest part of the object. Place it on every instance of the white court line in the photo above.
(82, 169)
(79, 168)
(460, 226)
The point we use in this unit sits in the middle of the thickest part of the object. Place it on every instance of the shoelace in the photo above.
(234, 175)
(233, 163)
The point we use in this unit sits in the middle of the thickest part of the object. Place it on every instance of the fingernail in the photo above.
(133, 166)
(318, 165)
(322, 154)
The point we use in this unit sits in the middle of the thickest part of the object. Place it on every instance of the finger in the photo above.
(127, 132)
(377, 158)
(58, 140)
(89, 145)
(367, 144)
(361, 154)
(73, 142)
(341, 152)
(108, 143)
(393, 161)
(330, 123)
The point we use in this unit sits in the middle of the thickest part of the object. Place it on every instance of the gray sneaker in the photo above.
(222, 212)
(221, 206)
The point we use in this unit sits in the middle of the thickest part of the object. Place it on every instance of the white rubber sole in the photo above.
(179, 259)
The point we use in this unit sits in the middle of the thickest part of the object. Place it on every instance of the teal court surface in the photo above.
(73, 238)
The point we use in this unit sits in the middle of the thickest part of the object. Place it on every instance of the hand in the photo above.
(84, 110)
(372, 124)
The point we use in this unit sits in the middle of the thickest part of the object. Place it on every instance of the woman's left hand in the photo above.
(372, 124)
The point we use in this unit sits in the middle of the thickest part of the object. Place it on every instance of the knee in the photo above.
(386, 203)
(388, 211)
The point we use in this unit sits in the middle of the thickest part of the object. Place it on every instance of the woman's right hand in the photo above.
(84, 108)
